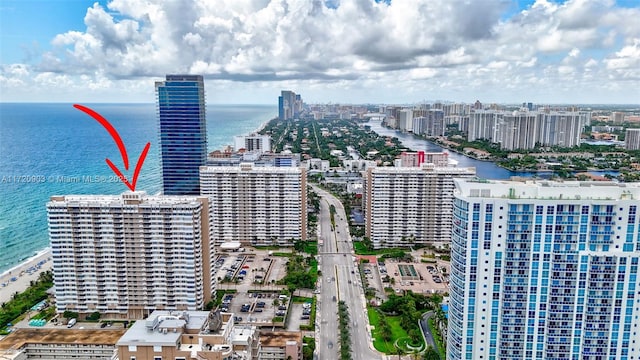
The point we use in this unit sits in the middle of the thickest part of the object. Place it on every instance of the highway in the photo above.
(340, 280)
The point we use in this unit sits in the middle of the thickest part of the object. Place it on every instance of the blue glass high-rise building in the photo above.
(183, 132)
(544, 271)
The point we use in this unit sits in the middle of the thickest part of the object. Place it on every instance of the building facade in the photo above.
(127, 255)
(544, 270)
(632, 139)
(183, 132)
(410, 206)
(60, 344)
(256, 205)
(416, 159)
(289, 105)
(253, 142)
(525, 129)
(280, 345)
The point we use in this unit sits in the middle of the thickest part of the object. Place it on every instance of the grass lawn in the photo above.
(313, 271)
(282, 254)
(438, 339)
(272, 247)
(360, 249)
(397, 331)
(300, 299)
(311, 247)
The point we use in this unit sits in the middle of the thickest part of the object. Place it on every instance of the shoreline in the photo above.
(262, 126)
(19, 277)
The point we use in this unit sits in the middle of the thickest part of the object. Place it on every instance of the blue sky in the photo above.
(30, 24)
(339, 51)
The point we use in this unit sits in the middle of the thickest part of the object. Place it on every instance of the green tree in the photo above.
(94, 316)
(68, 314)
(431, 354)
(366, 241)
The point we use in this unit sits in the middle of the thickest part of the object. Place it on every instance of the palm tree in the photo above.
(431, 354)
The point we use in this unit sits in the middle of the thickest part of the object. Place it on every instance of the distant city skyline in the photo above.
(348, 51)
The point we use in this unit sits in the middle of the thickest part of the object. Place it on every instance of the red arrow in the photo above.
(123, 150)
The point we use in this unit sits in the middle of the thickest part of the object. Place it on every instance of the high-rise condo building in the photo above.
(416, 159)
(127, 255)
(544, 270)
(253, 142)
(256, 205)
(289, 105)
(407, 206)
(632, 139)
(525, 129)
(183, 132)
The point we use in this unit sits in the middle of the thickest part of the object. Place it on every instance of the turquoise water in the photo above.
(54, 149)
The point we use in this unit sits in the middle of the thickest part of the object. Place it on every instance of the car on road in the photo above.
(304, 317)
(330, 345)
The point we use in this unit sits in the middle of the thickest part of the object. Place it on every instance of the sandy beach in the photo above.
(18, 278)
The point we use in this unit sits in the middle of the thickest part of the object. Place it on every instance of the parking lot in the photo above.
(253, 275)
(255, 308)
(250, 271)
(418, 277)
(299, 314)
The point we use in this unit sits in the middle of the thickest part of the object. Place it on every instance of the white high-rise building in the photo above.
(405, 120)
(483, 124)
(517, 131)
(256, 205)
(632, 139)
(526, 129)
(253, 142)
(406, 206)
(544, 270)
(127, 255)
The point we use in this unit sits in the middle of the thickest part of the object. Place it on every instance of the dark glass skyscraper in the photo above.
(183, 132)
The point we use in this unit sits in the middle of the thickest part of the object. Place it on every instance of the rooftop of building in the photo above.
(166, 327)
(126, 198)
(250, 167)
(19, 337)
(279, 338)
(241, 335)
(424, 169)
(547, 189)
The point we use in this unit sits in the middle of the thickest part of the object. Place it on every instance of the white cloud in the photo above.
(463, 47)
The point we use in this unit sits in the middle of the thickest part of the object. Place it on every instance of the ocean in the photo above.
(55, 149)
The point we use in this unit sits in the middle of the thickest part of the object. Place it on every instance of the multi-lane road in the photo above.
(340, 281)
